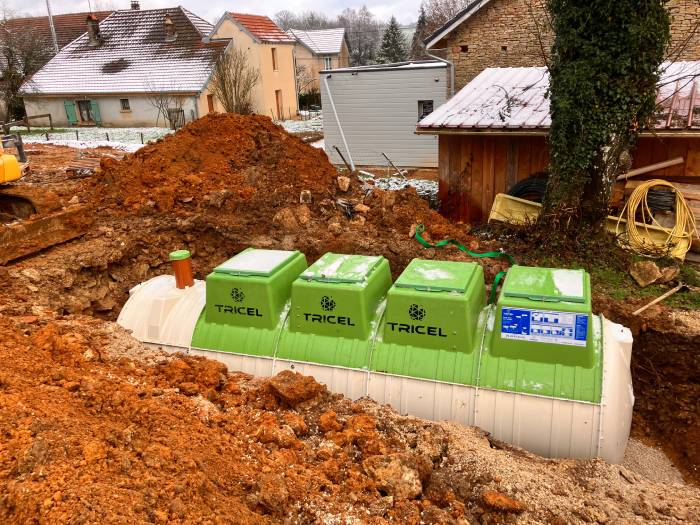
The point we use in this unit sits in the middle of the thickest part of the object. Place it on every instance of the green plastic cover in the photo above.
(246, 301)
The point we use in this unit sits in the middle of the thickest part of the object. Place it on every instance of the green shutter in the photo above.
(95, 112)
(70, 112)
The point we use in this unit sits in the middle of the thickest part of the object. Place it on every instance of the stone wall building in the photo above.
(515, 33)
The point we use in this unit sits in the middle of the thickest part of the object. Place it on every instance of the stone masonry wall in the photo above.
(514, 33)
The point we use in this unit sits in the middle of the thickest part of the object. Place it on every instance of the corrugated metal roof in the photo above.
(262, 28)
(322, 41)
(133, 57)
(515, 99)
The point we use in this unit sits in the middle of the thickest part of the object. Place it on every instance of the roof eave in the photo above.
(543, 132)
(454, 23)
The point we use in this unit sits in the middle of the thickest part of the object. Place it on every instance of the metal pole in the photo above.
(337, 120)
(53, 29)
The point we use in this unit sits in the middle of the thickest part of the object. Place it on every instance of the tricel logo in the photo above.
(416, 312)
(328, 304)
(238, 296)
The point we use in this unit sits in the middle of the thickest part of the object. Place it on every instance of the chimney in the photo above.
(135, 6)
(93, 30)
(169, 26)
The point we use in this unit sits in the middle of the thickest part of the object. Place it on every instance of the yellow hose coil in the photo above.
(678, 239)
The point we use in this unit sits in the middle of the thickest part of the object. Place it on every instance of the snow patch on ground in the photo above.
(86, 144)
(315, 123)
(127, 139)
(320, 144)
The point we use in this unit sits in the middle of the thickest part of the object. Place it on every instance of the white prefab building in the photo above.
(369, 111)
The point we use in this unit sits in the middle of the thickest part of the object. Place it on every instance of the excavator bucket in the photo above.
(9, 168)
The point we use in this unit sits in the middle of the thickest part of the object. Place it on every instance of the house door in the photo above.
(210, 103)
(280, 106)
(85, 110)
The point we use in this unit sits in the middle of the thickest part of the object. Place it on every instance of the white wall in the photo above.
(142, 112)
(378, 111)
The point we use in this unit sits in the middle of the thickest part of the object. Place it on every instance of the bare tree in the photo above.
(21, 55)
(305, 80)
(437, 12)
(167, 103)
(233, 81)
(307, 20)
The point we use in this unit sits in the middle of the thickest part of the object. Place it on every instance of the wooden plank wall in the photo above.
(474, 168)
(657, 149)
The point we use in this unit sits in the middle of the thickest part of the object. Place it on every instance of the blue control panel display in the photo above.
(562, 328)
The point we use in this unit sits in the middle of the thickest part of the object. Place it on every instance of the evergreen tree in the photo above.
(417, 45)
(393, 48)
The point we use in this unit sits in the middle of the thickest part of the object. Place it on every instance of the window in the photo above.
(274, 58)
(124, 102)
(464, 49)
(504, 49)
(327, 63)
(425, 108)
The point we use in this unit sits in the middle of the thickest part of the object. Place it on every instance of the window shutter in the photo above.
(94, 108)
(70, 112)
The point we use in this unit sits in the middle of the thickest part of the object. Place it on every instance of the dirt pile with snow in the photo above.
(93, 433)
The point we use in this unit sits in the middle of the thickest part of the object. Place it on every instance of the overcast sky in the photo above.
(406, 11)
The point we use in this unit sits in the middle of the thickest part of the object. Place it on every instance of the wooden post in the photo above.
(142, 137)
(50, 122)
(76, 135)
(107, 135)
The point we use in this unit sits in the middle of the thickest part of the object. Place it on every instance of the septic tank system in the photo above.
(537, 368)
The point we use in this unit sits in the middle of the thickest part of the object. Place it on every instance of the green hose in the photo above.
(420, 229)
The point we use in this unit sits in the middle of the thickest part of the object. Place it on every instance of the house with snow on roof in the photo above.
(271, 51)
(316, 51)
(134, 68)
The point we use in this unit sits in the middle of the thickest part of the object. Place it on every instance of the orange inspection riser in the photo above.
(182, 266)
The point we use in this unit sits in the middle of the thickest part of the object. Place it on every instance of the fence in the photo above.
(119, 135)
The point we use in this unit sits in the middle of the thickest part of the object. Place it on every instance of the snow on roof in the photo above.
(68, 26)
(262, 28)
(322, 41)
(133, 57)
(416, 64)
(515, 99)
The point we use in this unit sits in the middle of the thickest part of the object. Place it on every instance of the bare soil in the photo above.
(98, 428)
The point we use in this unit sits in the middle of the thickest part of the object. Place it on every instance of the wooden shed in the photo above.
(493, 133)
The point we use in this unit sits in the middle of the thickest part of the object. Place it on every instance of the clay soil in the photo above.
(99, 429)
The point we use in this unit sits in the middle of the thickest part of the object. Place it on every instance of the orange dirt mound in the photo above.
(248, 155)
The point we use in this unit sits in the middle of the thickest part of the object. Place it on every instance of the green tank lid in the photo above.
(438, 276)
(337, 268)
(546, 284)
(179, 255)
(256, 262)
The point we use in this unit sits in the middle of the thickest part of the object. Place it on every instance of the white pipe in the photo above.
(451, 67)
(337, 120)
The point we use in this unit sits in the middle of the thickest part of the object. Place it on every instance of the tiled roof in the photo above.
(68, 26)
(515, 99)
(133, 57)
(322, 41)
(262, 28)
